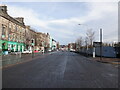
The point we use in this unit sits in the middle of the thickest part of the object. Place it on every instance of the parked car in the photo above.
(72, 50)
(49, 50)
(27, 51)
(36, 51)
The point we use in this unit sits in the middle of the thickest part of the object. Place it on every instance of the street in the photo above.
(61, 70)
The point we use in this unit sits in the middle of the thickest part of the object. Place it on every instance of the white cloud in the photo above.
(97, 12)
(30, 16)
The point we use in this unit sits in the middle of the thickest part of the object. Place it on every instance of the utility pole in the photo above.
(100, 43)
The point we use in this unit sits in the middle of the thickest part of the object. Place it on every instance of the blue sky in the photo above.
(61, 19)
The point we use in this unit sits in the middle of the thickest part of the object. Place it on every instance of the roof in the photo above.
(4, 14)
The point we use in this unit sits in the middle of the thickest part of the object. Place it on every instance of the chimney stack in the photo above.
(20, 19)
(3, 8)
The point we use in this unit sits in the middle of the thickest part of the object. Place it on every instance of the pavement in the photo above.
(107, 60)
(12, 59)
(60, 70)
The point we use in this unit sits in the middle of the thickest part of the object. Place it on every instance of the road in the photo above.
(61, 70)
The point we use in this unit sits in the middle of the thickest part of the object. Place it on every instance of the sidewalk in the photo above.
(107, 60)
(8, 60)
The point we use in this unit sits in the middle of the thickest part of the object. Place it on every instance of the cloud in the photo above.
(30, 16)
(97, 13)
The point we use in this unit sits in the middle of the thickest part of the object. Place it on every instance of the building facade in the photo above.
(12, 32)
(72, 46)
(30, 38)
(15, 36)
(54, 45)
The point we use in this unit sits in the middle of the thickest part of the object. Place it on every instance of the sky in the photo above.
(61, 19)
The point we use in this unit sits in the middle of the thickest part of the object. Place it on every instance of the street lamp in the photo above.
(86, 40)
(100, 43)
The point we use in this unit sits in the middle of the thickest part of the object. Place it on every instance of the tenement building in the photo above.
(30, 37)
(12, 32)
(15, 36)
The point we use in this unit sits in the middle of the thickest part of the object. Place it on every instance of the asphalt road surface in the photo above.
(61, 70)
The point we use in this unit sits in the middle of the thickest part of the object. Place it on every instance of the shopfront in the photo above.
(12, 46)
(21, 47)
(16, 47)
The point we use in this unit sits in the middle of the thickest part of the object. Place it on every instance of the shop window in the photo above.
(9, 47)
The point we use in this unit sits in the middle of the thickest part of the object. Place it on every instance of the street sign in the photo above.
(97, 44)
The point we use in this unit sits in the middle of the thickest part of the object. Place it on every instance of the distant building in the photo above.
(63, 47)
(71, 46)
(54, 44)
(58, 45)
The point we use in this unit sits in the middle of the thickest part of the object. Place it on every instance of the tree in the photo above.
(79, 42)
(86, 42)
(90, 36)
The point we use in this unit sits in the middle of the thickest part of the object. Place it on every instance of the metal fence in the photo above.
(107, 51)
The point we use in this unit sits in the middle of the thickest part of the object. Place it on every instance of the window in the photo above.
(3, 31)
(10, 25)
(32, 41)
(9, 33)
(16, 27)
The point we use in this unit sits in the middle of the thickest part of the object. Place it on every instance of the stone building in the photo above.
(43, 41)
(30, 38)
(47, 42)
(16, 36)
(12, 31)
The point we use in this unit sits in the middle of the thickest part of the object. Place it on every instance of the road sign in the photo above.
(97, 44)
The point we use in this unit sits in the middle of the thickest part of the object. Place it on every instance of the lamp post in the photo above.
(90, 35)
(86, 40)
(100, 43)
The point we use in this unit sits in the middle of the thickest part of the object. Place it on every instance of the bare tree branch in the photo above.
(91, 36)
